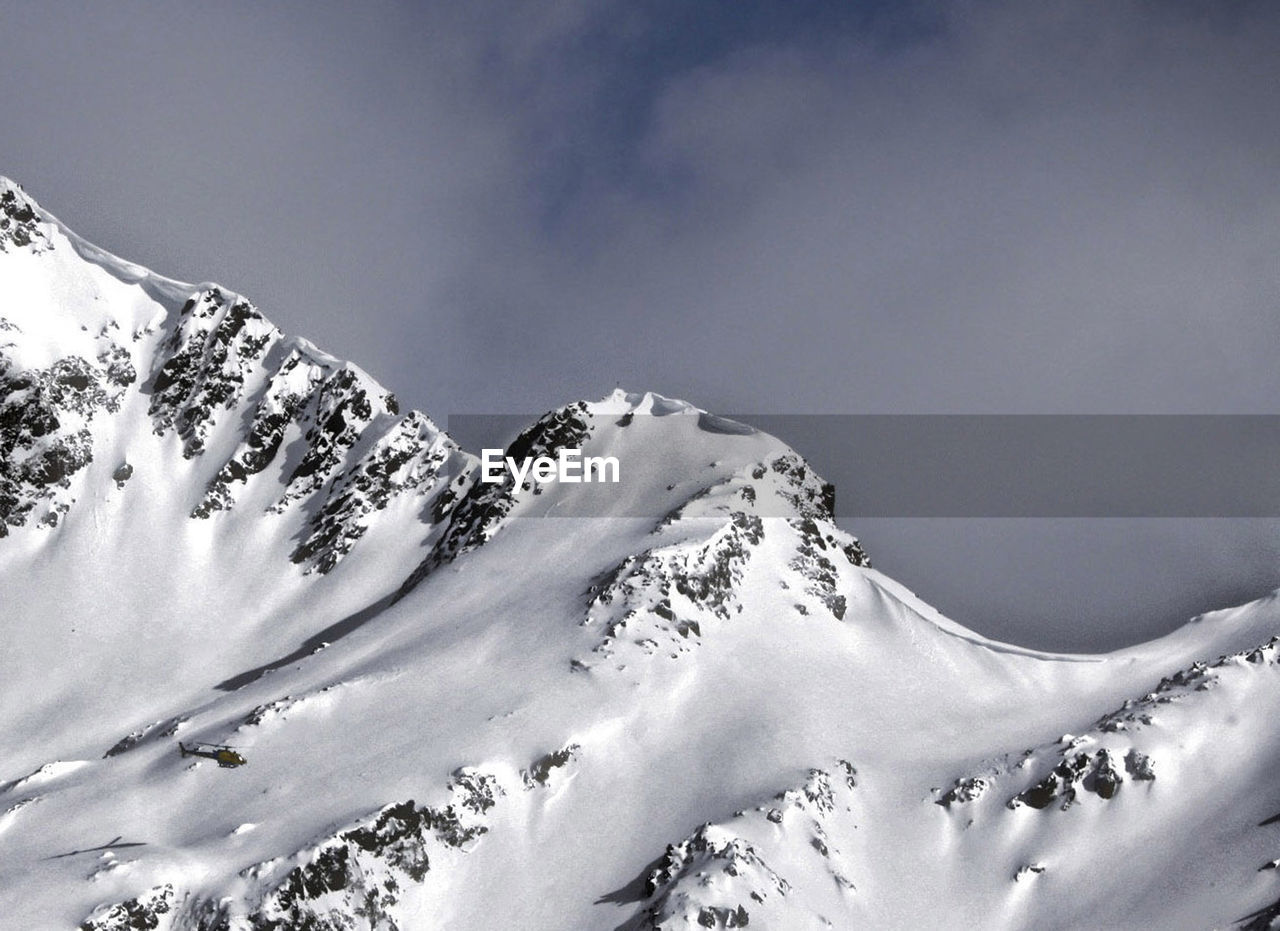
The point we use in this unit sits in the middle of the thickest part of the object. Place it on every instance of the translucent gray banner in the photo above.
(1020, 465)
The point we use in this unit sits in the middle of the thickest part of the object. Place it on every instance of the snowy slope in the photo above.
(686, 700)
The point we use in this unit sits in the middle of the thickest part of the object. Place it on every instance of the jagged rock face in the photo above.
(1098, 772)
(19, 221)
(782, 486)
(813, 561)
(294, 384)
(220, 371)
(342, 409)
(709, 851)
(477, 511)
(718, 878)
(359, 454)
(45, 418)
(206, 365)
(666, 596)
(794, 482)
(358, 877)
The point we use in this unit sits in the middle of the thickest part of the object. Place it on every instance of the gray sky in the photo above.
(844, 207)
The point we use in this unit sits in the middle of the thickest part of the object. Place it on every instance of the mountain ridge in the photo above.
(686, 700)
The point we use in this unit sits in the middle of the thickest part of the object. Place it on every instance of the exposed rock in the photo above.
(343, 408)
(157, 730)
(1095, 762)
(357, 874)
(820, 574)
(718, 878)
(709, 851)
(1028, 871)
(291, 388)
(118, 366)
(143, 913)
(478, 510)
(352, 880)
(1264, 919)
(966, 789)
(206, 364)
(412, 458)
(1094, 772)
(20, 224)
(44, 434)
(671, 591)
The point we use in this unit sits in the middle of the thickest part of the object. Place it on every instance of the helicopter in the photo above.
(225, 756)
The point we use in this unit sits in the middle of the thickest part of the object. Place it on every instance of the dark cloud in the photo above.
(809, 207)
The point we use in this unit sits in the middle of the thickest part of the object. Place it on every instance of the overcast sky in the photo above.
(803, 207)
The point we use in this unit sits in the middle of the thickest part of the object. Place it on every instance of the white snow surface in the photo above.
(532, 708)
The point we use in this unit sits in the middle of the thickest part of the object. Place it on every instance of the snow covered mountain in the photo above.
(472, 705)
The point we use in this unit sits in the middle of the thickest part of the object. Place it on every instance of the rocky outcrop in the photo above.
(357, 875)
(666, 596)
(45, 434)
(721, 875)
(206, 364)
(354, 454)
(221, 377)
(816, 549)
(1111, 754)
(355, 879)
(543, 769)
(966, 789)
(1097, 771)
(291, 388)
(20, 222)
(478, 510)
(157, 730)
(413, 458)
